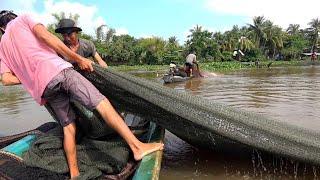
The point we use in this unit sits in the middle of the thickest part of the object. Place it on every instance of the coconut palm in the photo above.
(58, 17)
(274, 38)
(173, 40)
(314, 31)
(245, 44)
(62, 15)
(256, 31)
(198, 40)
(99, 32)
(109, 35)
(293, 29)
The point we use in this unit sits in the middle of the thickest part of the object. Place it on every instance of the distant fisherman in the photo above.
(192, 66)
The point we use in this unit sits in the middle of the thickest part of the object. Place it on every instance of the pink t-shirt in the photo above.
(30, 59)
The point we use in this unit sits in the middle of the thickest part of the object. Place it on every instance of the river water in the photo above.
(285, 94)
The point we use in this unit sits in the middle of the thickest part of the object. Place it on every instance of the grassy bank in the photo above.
(219, 66)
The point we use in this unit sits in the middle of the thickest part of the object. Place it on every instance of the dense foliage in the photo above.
(260, 40)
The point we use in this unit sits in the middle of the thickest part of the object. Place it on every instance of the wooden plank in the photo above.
(150, 165)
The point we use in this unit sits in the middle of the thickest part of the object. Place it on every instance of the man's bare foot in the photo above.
(145, 149)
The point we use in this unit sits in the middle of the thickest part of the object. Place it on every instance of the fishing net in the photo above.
(101, 152)
(201, 122)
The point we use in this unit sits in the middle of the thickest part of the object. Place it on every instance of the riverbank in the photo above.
(221, 66)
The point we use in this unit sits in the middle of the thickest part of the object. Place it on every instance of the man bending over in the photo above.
(28, 55)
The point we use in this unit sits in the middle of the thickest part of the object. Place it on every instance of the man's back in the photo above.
(191, 58)
(30, 59)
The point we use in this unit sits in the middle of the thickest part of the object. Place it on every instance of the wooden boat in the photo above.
(147, 169)
(167, 78)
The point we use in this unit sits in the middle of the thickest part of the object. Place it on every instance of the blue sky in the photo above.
(166, 18)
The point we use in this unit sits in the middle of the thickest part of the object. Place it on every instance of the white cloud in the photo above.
(88, 21)
(281, 12)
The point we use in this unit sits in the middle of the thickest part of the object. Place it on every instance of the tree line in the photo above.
(261, 39)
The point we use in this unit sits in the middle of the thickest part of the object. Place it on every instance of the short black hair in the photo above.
(5, 17)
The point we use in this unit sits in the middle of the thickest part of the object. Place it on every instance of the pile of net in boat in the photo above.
(201, 122)
(101, 152)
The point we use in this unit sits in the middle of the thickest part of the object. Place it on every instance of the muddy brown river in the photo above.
(286, 94)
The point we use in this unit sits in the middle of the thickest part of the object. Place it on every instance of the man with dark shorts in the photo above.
(28, 55)
(191, 65)
(85, 48)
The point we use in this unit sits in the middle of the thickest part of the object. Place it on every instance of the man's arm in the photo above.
(69, 145)
(195, 60)
(9, 79)
(101, 62)
(55, 43)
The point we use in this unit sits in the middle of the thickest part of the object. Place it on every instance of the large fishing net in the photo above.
(201, 122)
(101, 152)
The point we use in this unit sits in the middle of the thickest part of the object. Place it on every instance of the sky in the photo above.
(167, 18)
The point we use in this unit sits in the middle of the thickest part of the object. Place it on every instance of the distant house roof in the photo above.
(309, 54)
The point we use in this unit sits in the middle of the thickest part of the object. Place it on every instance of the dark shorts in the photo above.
(70, 86)
(188, 66)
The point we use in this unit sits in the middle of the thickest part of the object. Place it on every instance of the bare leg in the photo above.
(69, 144)
(113, 119)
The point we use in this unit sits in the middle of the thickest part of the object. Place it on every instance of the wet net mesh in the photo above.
(201, 122)
(101, 152)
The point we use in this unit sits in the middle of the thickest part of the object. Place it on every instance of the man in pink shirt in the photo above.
(28, 55)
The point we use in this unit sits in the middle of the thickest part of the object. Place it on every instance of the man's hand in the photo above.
(101, 62)
(85, 64)
(9, 79)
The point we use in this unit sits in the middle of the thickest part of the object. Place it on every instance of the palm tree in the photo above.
(274, 38)
(293, 29)
(62, 15)
(99, 32)
(245, 44)
(173, 40)
(109, 35)
(256, 30)
(199, 41)
(314, 33)
(58, 17)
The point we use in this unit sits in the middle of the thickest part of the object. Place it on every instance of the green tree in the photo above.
(274, 39)
(172, 51)
(293, 29)
(314, 30)
(58, 17)
(99, 33)
(122, 50)
(109, 35)
(257, 33)
(245, 44)
(294, 44)
(203, 43)
(151, 50)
